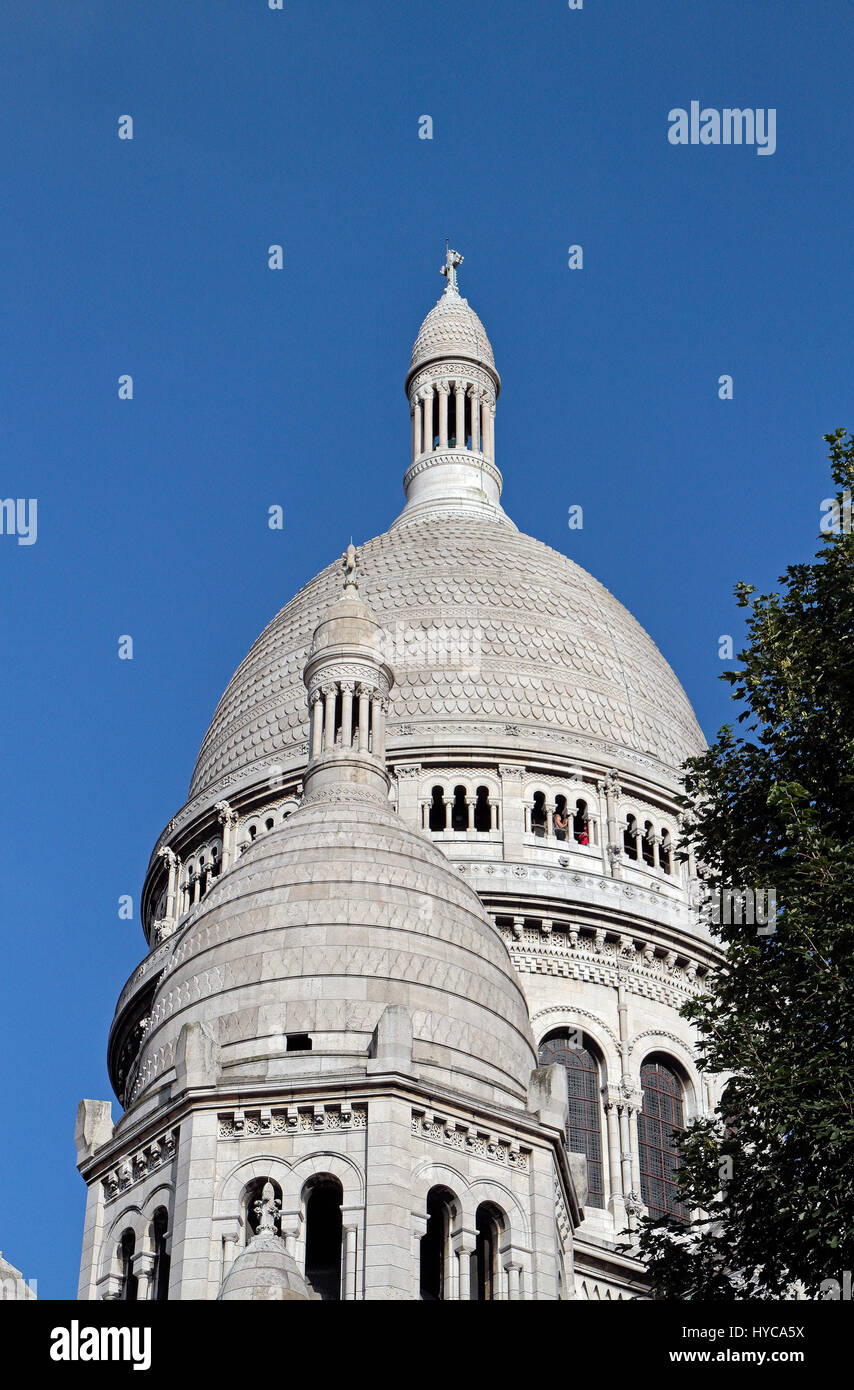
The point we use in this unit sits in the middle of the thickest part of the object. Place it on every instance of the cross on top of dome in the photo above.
(449, 269)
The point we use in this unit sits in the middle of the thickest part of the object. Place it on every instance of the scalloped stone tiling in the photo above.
(452, 329)
(532, 637)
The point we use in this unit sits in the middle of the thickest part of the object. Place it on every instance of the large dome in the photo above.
(320, 926)
(484, 626)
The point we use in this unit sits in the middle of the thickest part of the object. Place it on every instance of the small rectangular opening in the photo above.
(298, 1042)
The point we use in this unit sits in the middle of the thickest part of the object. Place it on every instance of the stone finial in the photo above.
(267, 1210)
(349, 562)
(449, 269)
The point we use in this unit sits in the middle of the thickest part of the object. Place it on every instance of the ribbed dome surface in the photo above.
(322, 924)
(451, 329)
(484, 626)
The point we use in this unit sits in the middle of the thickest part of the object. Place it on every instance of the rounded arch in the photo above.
(340, 1166)
(431, 1173)
(552, 1019)
(677, 1053)
(130, 1218)
(231, 1193)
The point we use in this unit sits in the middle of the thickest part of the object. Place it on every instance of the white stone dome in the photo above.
(531, 640)
(322, 924)
(452, 329)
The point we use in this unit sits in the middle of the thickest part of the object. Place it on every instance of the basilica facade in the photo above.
(408, 1026)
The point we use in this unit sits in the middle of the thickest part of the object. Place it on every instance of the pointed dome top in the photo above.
(452, 328)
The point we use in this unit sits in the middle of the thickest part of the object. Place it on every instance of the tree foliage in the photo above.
(772, 807)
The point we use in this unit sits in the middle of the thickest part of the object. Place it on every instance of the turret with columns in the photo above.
(452, 386)
(348, 683)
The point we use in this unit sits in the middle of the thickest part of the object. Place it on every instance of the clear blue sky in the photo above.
(253, 387)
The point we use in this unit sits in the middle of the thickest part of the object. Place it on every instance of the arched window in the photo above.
(268, 824)
(216, 864)
(459, 810)
(630, 838)
(538, 814)
(646, 843)
(482, 811)
(253, 831)
(581, 823)
(489, 1223)
(661, 1119)
(436, 1245)
(665, 854)
(160, 1241)
(575, 1052)
(129, 1280)
(438, 811)
(560, 819)
(323, 1230)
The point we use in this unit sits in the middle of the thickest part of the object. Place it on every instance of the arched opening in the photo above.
(251, 1197)
(268, 824)
(538, 814)
(630, 838)
(646, 843)
(160, 1241)
(482, 811)
(216, 862)
(580, 1057)
(489, 1223)
(435, 1252)
(467, 430)
(665, 854)
(459, 810)
(323, 1230)
(560, 819)
(659, 1125)
(581, 823)
(438, 810)
(127, 1247)
(253, 831)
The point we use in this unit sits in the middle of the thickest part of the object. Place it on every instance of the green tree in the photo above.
(772, 808)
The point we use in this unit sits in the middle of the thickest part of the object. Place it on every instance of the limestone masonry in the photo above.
(408, 1024)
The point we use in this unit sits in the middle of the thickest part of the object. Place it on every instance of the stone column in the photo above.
(347, 688)
(449, 808)
(428, 421)
(143, 1268)
(460, 392)
(465, 1244)
(474, 397)
(316, 724)
(171, 860)
(329, 693)
(228, 821)
(489, 430)
(513, 1280)
(470, 804)
(348, 1279)
(616, 1205)
(656, 863)
(443, 390)
(364, 717)
(415, 411)
(378, 707)
(493, 813)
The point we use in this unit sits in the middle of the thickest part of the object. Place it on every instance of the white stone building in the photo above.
(408, 1026)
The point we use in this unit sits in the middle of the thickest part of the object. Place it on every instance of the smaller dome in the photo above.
(452, 329)
(264, 1271)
